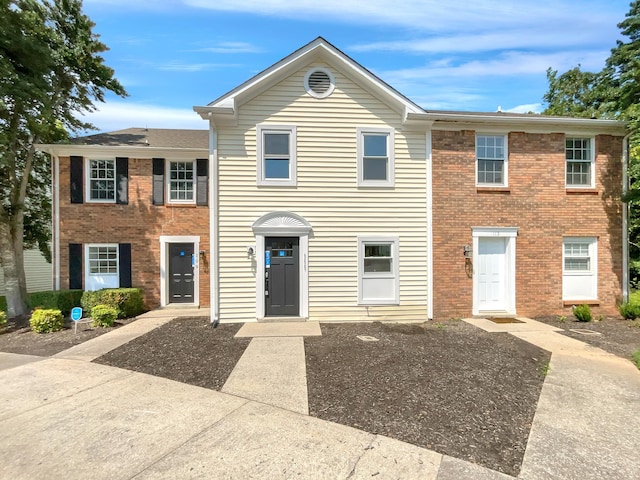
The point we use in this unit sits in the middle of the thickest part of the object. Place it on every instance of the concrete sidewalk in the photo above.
(67, 418)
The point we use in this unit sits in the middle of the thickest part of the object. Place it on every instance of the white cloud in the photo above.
(116, 115)
(232, 47)
(507, 64)
(527, 108)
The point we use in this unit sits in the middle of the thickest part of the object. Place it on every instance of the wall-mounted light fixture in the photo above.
(204, 261)
(251, 250)
(466, 250)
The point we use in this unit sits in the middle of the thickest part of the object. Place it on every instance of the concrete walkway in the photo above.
(66, 418)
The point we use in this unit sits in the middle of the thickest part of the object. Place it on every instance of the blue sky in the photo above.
(471, 55)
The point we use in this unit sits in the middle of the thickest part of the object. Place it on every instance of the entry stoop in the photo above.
(282, 319)
(280, 329)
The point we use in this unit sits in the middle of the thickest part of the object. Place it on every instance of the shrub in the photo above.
(3, 319)
(582, 313)
(45, 321)
(127, 302)
(629, 310)
(63, 300)
(3, 304)
(103, 316)
(636, 358)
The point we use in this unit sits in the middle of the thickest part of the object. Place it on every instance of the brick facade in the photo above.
(537, 202)
(139, 222)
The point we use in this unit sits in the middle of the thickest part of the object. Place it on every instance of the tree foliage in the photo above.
(51, 72)
(613, 92)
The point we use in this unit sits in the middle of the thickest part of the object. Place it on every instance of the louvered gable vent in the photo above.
(319, 82)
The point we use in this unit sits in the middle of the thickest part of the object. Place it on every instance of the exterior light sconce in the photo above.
(251, 250)
(466, 250)
(204, 261)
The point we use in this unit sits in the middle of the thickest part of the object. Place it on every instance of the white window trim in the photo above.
(592, 163)
(505, 172)
(395, 261)
(390, 181)
(167, 176)
(87, 268)
(285, 182)
(593, 271)
(87, 173)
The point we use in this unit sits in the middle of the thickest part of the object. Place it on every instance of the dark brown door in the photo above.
(282, 277)
(181, 263)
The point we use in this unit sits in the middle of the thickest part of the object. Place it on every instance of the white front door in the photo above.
(492, 274)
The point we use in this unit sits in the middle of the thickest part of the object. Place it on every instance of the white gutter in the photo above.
(429, 169)
(625, 219)
(214, 271)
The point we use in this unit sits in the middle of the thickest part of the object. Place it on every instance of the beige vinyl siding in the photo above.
(37, 271)
(327, 196)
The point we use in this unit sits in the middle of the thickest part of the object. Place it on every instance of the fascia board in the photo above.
(541, 124)
(126, 151)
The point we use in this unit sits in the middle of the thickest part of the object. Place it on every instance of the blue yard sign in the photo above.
(76, 314)
(267, 258)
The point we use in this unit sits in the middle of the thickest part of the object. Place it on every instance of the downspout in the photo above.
(429, 171)
(214, 299)
(625, 219)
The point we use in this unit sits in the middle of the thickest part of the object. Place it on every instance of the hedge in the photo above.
(45, 321)
(63, 300)
(128, 302)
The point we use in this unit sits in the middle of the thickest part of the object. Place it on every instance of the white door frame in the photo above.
(510, 234)
(165, 240)
(282, 224)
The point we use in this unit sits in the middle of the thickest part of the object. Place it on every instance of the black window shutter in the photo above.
(158, 181)
(202, 190)
(122, 180)
(124, 260)
(76, 179)
(75, 266)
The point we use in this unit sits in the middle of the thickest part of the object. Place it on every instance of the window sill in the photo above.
(493, 190)
(180, 205)
(570, 303)
(582, 191)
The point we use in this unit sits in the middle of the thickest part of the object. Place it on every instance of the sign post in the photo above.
(76, 315)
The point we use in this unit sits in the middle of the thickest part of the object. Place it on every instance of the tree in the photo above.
(50, 72)
(614, 93)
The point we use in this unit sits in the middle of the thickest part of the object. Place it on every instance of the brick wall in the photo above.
(538, 203)
(140, 223)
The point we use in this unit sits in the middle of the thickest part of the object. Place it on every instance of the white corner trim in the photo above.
(214, 269)
(56, 220)
(429, 170)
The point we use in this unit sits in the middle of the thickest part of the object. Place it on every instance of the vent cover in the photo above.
(319, 82)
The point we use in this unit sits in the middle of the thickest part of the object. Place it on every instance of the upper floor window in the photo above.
(375, 157)
(580, 159)
(181, 181)
(491, 160)
(276, 150)
(101, 179)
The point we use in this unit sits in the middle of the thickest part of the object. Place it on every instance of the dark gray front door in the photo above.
(282, 282)
(181, 273)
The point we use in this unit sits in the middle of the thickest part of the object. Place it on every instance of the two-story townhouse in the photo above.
(332, 197)
(130, 208)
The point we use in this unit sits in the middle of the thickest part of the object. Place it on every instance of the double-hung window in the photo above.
(101, 266)
(580, 161)
(491, 160)
(579, 270)
(101, 179)
(375, 157)
(181, 181)
(378, 271)
(276, 152)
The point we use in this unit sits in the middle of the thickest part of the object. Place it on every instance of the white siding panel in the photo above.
(326, 195)
(38, 272)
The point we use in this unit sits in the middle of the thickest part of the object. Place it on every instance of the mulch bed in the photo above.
(618, 336)
(17, 337)
(186, 349)
(449, 387)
